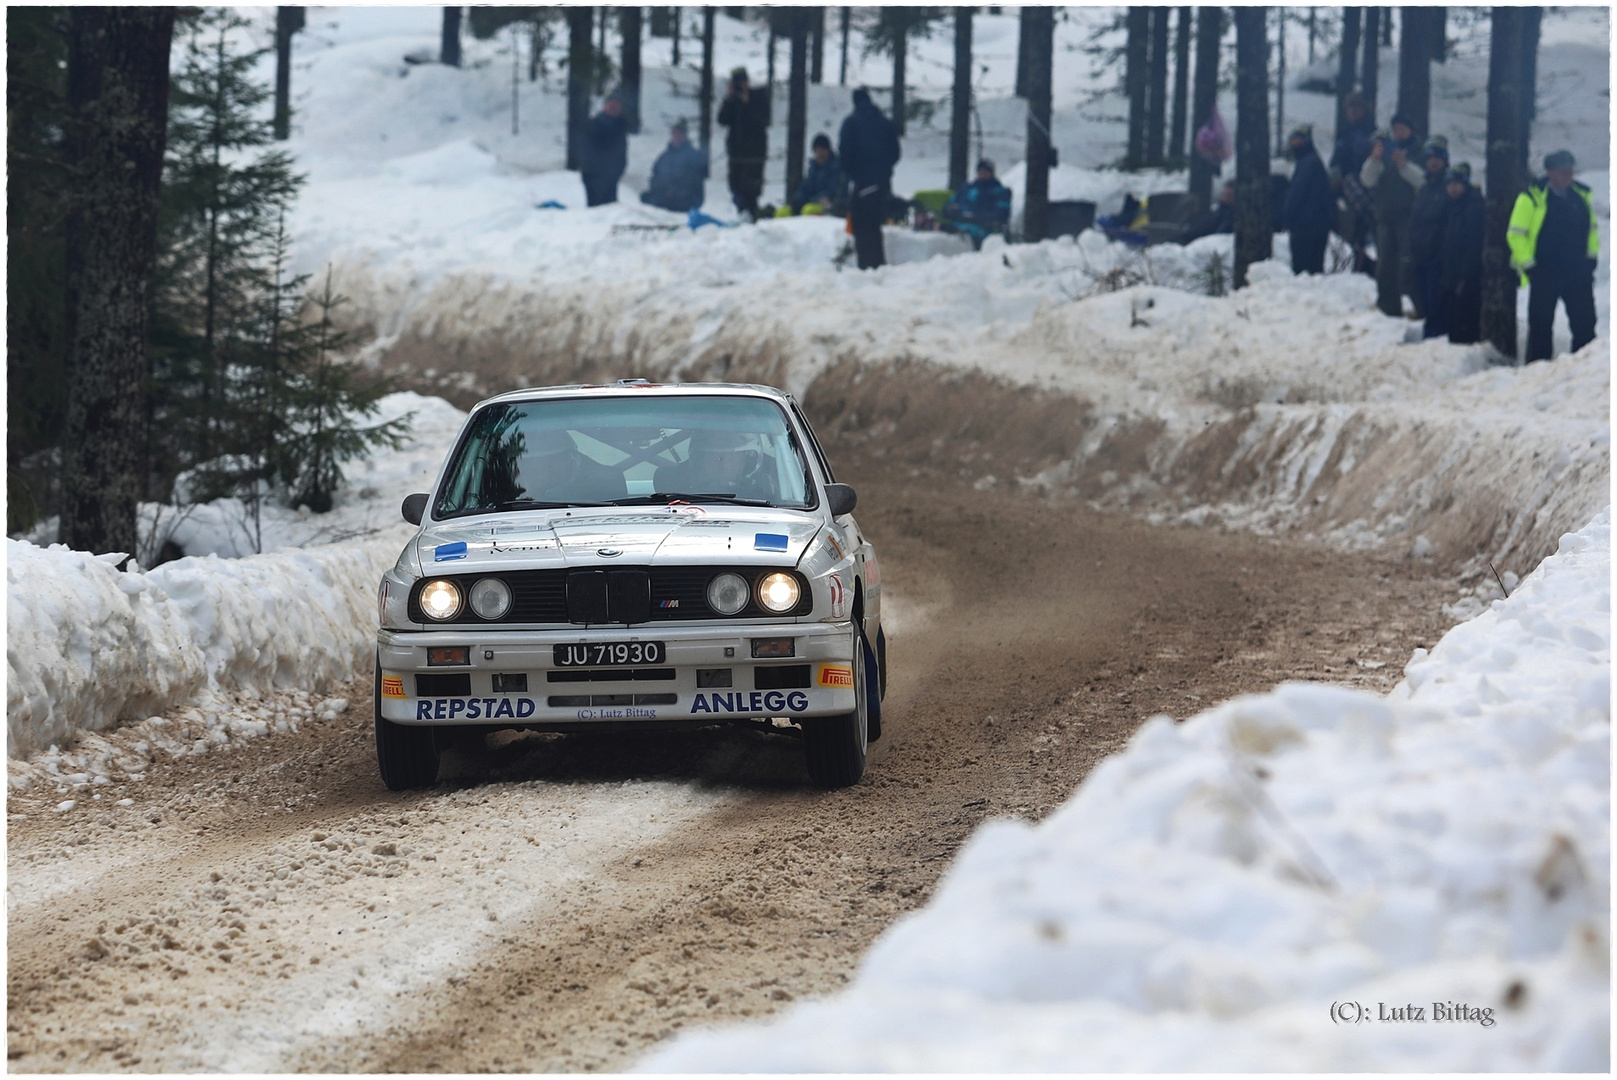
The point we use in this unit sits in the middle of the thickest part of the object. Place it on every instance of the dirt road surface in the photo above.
(564, 903)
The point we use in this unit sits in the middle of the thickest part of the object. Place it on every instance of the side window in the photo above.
(814, 444)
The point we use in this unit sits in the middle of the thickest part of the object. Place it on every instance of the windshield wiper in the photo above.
(665, 497)
(532, 504)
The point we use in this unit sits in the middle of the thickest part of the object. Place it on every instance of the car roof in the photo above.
(639, 388)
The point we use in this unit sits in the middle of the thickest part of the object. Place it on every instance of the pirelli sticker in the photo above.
(836, 675)
(393, 686)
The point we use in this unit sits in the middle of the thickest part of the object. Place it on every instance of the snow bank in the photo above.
(1236, 892)
(88, 645)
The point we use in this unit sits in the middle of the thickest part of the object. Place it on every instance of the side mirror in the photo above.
(841, 499)
(414, 506)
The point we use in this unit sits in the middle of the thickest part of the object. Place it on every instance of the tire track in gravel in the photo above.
(657, 880)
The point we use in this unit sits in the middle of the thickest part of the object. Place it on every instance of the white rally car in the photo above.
(632, 554)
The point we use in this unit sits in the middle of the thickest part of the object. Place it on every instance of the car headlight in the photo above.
(727, 593)
(779, 592)
(491, 598)
(440, 600)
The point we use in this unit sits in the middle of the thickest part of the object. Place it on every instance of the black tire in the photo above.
(408, 756)
(874, 687)
(834, 746)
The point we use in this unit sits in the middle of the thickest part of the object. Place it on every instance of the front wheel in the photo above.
(408, 756)
(834, 746)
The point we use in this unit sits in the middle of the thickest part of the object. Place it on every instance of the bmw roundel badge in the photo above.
(608, 553)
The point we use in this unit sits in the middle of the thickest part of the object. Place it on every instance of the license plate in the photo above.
(613, 654)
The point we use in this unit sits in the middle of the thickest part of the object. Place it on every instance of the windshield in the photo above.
(623, 451)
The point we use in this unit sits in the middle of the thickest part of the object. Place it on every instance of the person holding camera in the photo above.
(868, 146)
(746, 113)
(1392, 175)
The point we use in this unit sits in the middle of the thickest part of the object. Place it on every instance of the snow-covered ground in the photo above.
(1260, 887)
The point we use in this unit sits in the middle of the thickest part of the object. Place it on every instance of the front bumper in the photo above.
(816, 680)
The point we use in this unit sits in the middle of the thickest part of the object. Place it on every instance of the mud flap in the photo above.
(875, 689)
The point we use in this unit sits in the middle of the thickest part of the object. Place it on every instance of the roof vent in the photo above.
(634, 382)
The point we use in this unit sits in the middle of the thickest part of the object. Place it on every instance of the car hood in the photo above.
(682, 536)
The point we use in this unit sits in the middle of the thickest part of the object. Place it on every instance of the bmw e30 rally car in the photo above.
(632, 554)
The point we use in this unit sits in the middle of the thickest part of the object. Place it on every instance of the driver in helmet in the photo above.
(552, 469)
(720, 463)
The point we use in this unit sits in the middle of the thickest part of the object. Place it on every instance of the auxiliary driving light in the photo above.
(779, 592)
(440, 600)
(491, 598)
(727, 594)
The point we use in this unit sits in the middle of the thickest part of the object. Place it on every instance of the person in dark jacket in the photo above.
(1309, 204)
(746, 113)
(1392, 177)
(1460, 290)
(824, 183)
(679, 175)
(1426, 219)
(980, 208)
(1219, 219)
(1554, 242)
(868, 146)
(1357, 222)
(605, 153)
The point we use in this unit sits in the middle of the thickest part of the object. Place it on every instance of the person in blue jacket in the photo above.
(605, 153)
(980, 208)
(869, 148)
(824, 183)
(679, 175)
(1310, 206)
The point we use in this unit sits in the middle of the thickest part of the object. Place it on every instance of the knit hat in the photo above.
(1461, 171)
(1400, 118)
(987, 163)
(1436, 146)
(1305, 130)
(739, 73)
(679, 125)
(1561, 159)
(861, 96)
(822, 139)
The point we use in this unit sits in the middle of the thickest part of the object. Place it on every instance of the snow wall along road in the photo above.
(1290, 406)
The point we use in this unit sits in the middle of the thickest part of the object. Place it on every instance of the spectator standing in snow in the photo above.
(980, 208)
(746, 113)
(1309, 206)
(1352, 147)
(605, 153)
(1555, 243)
(1426, 220)
(1460, 288)
(869, 149)
(1392, 178)
(678, 175)
(1219, 219)
(824, 184)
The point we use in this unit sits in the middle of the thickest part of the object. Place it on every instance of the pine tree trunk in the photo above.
(1532, 18)
(842, 71)
(1254, 227)
(769, 99)
(449, 44)
(704, 90)
(960, 101)
(1280, 77)
(675, 32)
(1036, 212)
(580, 57)
(1386, 28)
(629, 85)
(1370, 73)
(1437, 32)
(1156, 110)
(117, 84)
(1346, 64)
(1136, 56)
(817, 49)
(1022, 32)
(1505, 178)
(1313, 33)
(288, 21)
(901, 49)
(1415, 70)
(797, 100)
(1209, 31)
(1181, 87)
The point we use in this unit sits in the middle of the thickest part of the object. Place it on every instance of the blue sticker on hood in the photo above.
(769, 542)
(449, 552)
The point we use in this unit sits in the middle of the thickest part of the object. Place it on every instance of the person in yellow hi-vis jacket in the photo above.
(1554, 244)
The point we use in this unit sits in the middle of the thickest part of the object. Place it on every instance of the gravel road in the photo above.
(563, 903)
